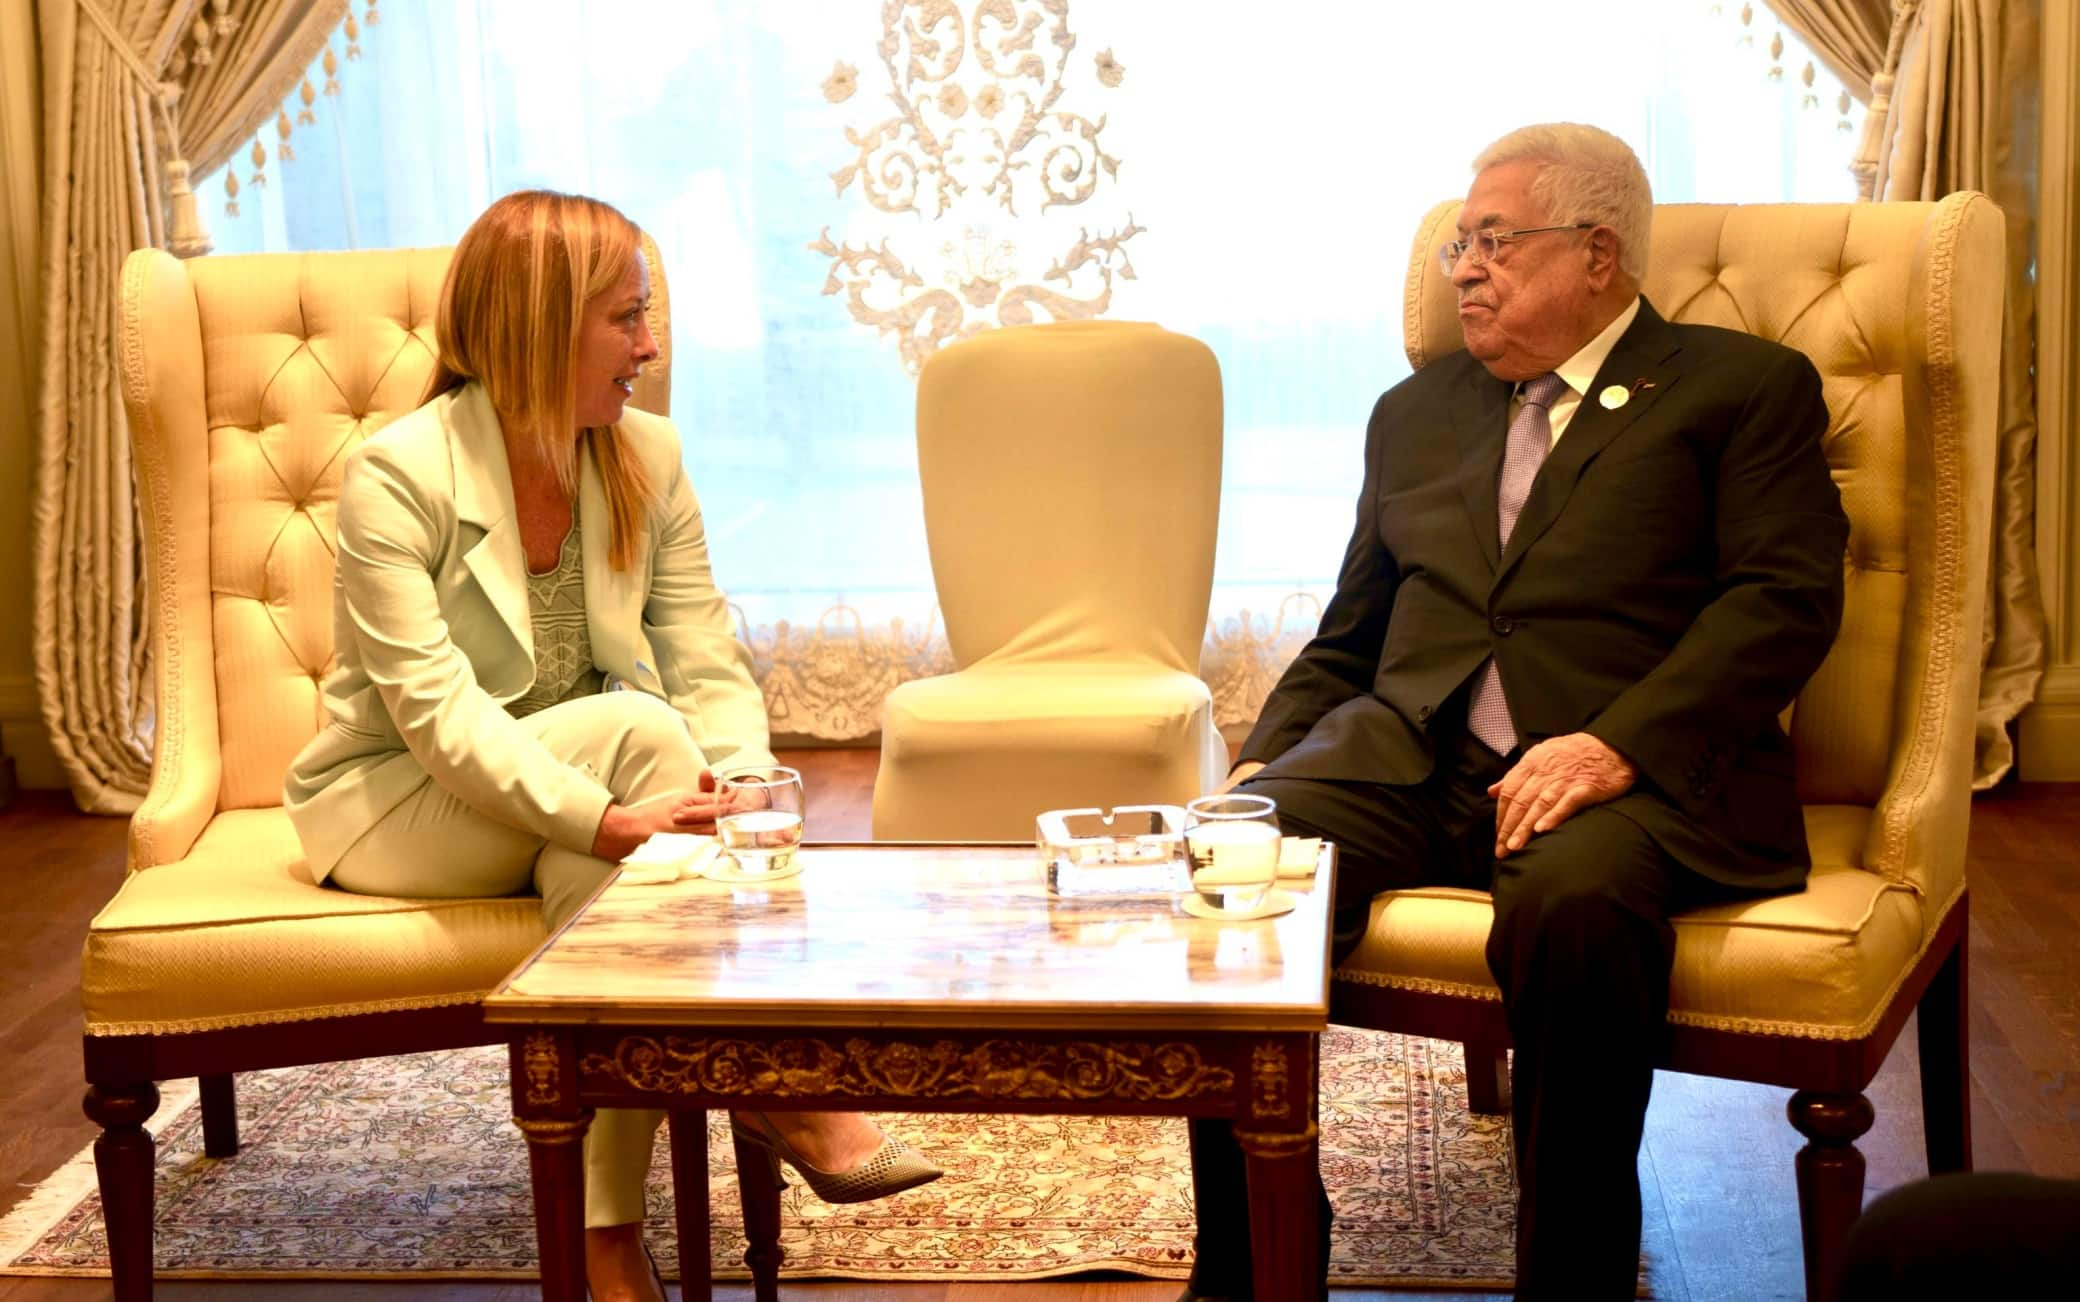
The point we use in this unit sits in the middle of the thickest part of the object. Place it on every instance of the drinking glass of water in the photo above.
(761, 822)
(1232, 841)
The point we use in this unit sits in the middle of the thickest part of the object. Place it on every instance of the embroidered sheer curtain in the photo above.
(839, 187)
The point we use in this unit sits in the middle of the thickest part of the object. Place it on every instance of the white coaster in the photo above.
(724, 868)
(1274, 905)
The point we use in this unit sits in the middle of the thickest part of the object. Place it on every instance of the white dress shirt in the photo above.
(1579, 371)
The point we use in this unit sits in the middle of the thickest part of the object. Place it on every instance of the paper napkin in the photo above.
(667, 857)
(1297, 855)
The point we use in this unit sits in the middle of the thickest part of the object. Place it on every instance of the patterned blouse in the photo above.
(563, 668)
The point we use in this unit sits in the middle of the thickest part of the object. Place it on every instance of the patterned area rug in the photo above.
(412, 1166)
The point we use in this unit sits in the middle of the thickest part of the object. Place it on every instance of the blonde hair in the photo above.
(1585, 174)
(511, 311)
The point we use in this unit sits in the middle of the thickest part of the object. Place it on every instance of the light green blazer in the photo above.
(433, 635)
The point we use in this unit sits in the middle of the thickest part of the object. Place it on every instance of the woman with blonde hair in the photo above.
(510, 554)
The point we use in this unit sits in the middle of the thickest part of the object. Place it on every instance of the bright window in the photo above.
(1272, 160)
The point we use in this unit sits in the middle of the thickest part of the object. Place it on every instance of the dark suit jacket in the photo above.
(1673, 580)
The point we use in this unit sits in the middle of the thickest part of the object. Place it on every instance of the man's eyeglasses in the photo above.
(1485, 244)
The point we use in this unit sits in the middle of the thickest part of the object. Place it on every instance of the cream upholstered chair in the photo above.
(1071, 479)
(1899, 306)
(247, 380)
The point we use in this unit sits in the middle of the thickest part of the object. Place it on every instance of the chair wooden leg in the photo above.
(123, 1161)
(1942, 1027)
(1487, 1076)
(219, 1116)
(759, 1183)
(1830, 1178)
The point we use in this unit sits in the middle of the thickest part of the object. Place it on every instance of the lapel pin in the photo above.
(1613, 397)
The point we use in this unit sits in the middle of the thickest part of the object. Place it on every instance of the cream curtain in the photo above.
(1963, 116)
(1858, 40)
(128, 85)
(1848, 36)
(1952, 90)
(253, 71)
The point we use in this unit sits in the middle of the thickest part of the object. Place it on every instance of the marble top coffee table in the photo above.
(923, 978)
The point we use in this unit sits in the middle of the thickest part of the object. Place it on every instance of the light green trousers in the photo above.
(434, 845)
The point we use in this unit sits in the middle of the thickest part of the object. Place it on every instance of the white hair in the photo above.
(1585, 174)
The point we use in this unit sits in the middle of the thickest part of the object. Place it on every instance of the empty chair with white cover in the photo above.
(1071, 476)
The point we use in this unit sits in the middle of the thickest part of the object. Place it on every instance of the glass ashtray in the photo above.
(1131, 850)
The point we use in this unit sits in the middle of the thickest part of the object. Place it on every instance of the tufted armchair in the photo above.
(1899, 307)
(247, 380)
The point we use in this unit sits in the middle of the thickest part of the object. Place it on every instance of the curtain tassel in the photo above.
(186, 236)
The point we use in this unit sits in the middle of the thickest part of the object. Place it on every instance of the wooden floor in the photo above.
(1721, 1212)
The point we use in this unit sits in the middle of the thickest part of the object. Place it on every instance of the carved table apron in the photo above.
(922, 978)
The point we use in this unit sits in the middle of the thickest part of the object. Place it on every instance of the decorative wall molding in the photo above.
(22, 734)
(18, 699)
(21, 285)
(21, 176)
(2050, 741)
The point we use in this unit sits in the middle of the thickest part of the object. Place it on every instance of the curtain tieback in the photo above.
(185, 236)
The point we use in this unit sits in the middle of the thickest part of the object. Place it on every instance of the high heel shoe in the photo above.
(890, 1169)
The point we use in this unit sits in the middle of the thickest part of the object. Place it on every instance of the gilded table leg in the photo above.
(545, 1107)
(556, 1161)
(689, 1128)
(1284, 1219)
(1276, 1128)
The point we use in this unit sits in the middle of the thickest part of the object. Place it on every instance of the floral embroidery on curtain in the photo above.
(980, 138)
(827, 680)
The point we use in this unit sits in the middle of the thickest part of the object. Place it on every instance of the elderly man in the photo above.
(1596, 554)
